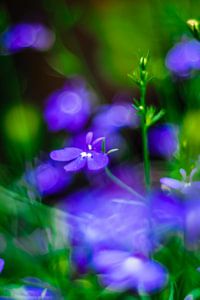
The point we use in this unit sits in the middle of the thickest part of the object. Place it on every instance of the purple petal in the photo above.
(172, 183)
(98, 140)
(1, 264)
(65, 154)
(121, 284)
(106, 259)
(97, 161)
(75, 165)
(89, 138)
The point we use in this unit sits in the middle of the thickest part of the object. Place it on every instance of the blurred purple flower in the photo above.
(26, 35)
(121, 271)
(192, 220)
(167, 214)
(113, 117)
(108, 219)
(1, 264)
(185, 186)
(48, 178)
(36, 289)
(167, 135)
(184, 57)
(69, 108)
(77, 158)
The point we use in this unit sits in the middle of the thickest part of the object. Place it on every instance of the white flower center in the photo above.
(90, 147)
(132, 264)
(86, 154)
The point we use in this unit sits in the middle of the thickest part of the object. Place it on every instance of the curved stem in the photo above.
(123, 185)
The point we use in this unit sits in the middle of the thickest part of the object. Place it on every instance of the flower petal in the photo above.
(97, 161)
(65, 154)
(107, 259)
(172, 183)
(75, 165)
(89, 137)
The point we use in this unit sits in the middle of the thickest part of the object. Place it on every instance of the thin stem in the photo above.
(145, 138)
(123, 185)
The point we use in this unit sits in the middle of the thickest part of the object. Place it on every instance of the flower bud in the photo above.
(194, 28)
(143, 63)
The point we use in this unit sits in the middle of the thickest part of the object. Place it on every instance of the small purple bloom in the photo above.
(121, 271)
(185, 186)
(48, 178)
(69, 108)
(32, 289)
(184, 57)
(167, 135)
(167, 214)
(26, 35)
(30, 292)
(113, 117)
(1, 264)
(192, 220)
(77, 158)
(108, 219)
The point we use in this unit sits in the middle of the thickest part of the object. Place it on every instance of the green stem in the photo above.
(123, 185)
(145, 138)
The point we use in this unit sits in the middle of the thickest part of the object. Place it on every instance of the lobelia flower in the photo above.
(109, 121)
(167, 134)
(121, 271)
(167, 214)
(184, 57)
(32, 289)
(26, 35)
(69, 108)
(48, 178)
(94, 219)
(113, 117)
(1, 264)
(78, 158)
(185, 185)
(30, 292)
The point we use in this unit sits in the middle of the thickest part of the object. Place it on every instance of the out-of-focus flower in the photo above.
(108, 219)
(26, 35)
(110, 119)
(77, 158)
(167, 135)
(185, 185)
(184, 58)
(121, 271)
(192, 220)
(167, 214)
(48, 178)
(1, 264)
(32, 290)
(113, 117)
(69, 108)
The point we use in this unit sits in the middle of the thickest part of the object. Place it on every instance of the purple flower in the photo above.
(167, 214)
(48, 178)
(31, 292)
(1, 264)
(32, 289)
(184, 57)
(185, 186)
(69, 107)
(113, 117)
(167, 134)
(121, 271)
(96, 221)
(26, 35)
(77, 158)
